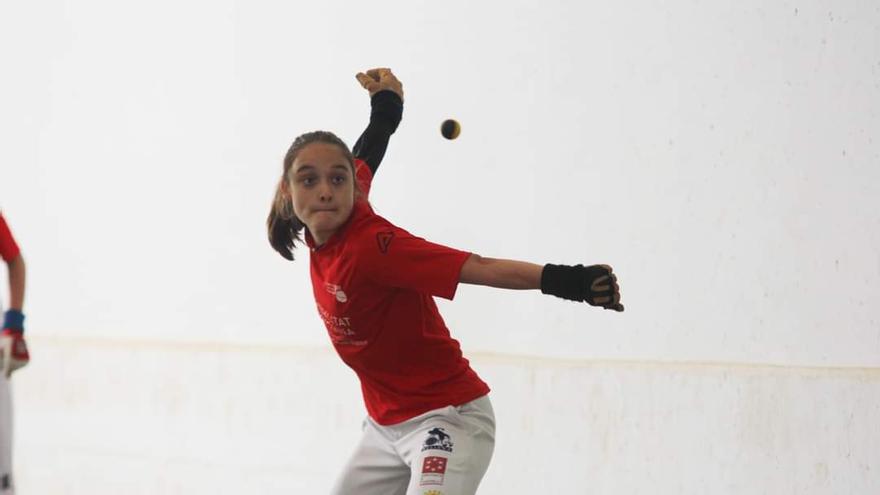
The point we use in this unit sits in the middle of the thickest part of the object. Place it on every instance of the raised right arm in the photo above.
(386, 100)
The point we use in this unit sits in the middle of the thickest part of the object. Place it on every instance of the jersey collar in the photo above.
(360, 209)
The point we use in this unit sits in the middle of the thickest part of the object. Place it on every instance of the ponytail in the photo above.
(284, 228)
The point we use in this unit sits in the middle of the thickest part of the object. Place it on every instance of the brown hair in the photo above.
(284, 227)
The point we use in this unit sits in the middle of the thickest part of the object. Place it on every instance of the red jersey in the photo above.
(373, 284)
(8, 248)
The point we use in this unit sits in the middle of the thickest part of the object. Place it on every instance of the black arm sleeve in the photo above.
(384, 119)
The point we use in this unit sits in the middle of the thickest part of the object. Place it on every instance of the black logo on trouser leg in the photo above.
(438, 439)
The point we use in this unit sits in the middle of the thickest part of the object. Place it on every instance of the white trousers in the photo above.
(5, 436)
(445, 451)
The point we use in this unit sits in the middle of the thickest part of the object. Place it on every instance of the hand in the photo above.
(595, 284)
(604, 288)
(13, 349)
(375, 80)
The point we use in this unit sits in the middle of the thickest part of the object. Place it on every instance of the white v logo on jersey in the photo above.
(337, 291)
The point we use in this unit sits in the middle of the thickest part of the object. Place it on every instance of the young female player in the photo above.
(13, 350)
(430, 427)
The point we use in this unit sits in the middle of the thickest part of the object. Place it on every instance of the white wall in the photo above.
(723, 159)
(146, 417)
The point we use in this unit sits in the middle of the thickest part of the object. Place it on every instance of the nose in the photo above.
(325, 193)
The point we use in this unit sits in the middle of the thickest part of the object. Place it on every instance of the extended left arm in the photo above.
(501, 274)
(595, 284)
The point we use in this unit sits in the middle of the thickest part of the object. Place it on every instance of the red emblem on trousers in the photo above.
(434, 465)
(433, 469)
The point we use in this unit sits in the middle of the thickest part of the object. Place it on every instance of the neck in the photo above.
(321, 237)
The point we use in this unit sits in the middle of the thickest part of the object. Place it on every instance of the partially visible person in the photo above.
(13, 350)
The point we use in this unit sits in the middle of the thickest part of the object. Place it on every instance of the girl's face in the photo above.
(322, 188)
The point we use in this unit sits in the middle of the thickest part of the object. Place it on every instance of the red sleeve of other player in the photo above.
(8, 248)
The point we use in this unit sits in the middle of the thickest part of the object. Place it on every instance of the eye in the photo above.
(308, 181)
(338, 179)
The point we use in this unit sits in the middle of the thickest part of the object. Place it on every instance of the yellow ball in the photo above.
(450, 129)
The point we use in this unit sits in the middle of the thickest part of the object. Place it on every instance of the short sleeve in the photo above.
(396, 258)
(364, 176)
(8, 248)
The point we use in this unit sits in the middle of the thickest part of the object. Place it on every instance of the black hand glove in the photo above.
(595, 284)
